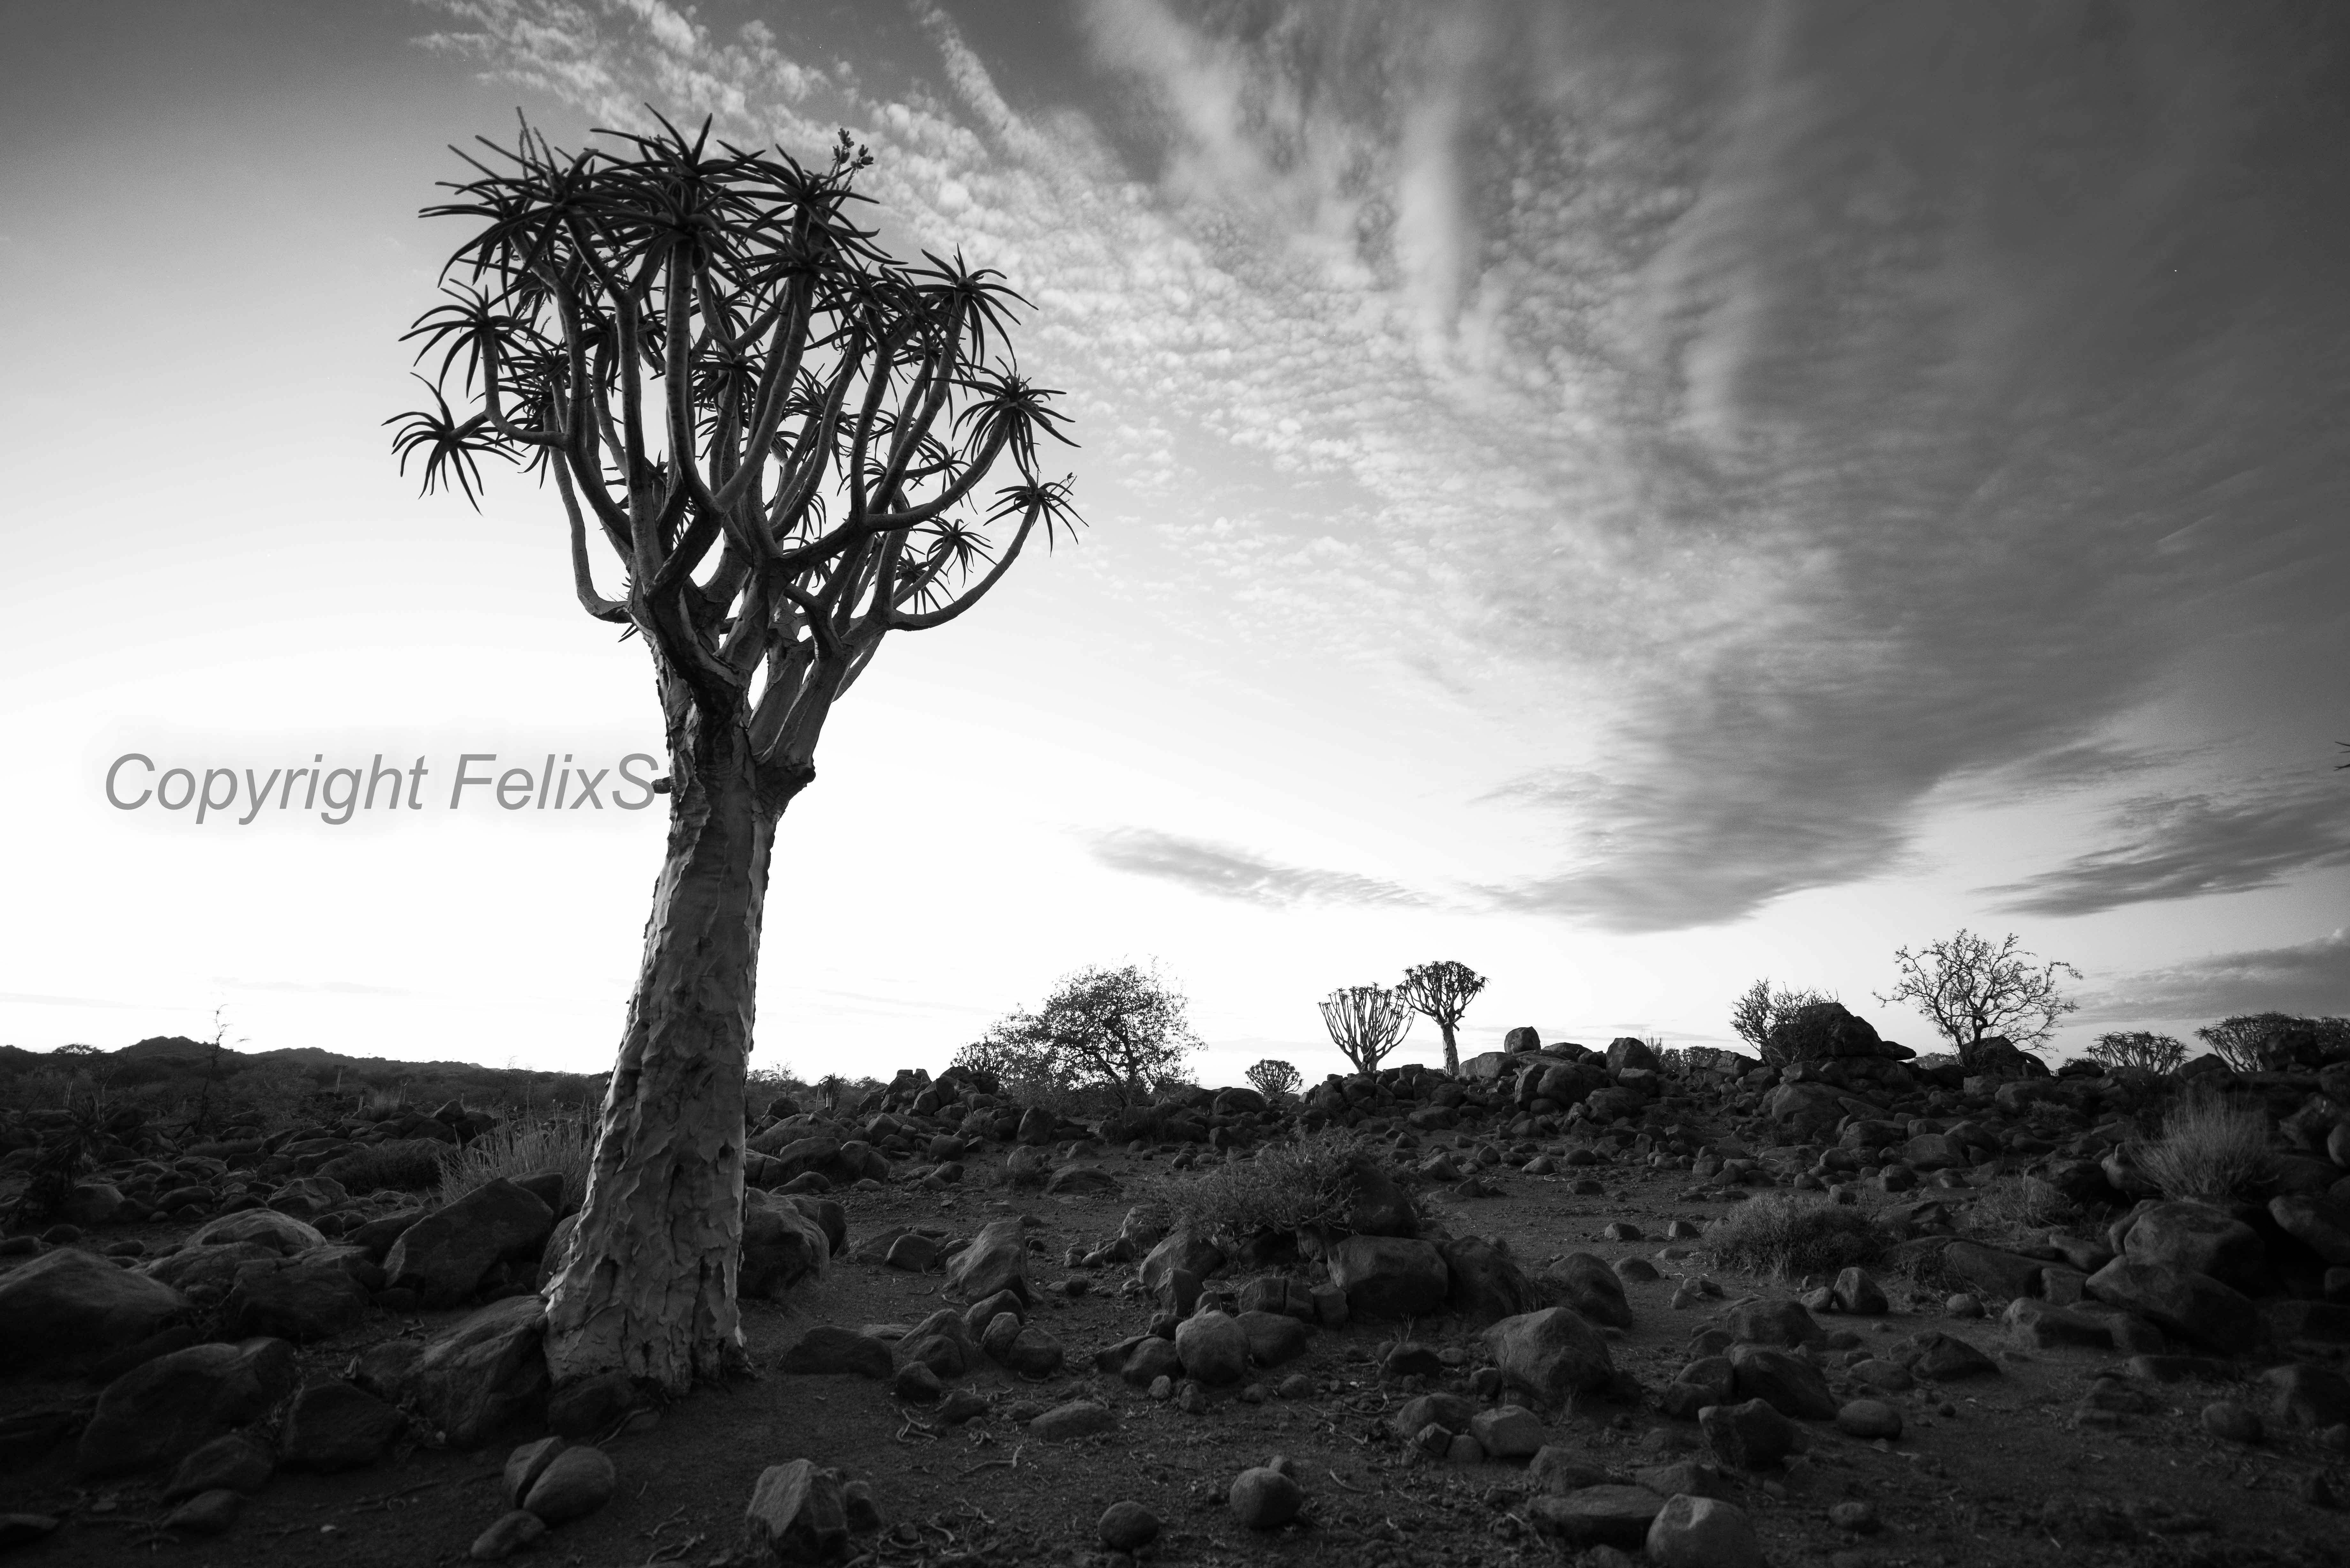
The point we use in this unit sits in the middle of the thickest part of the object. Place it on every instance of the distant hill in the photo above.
(164, 1072)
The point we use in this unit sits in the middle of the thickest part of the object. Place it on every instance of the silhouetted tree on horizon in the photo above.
(1443, 991)
(779, 431)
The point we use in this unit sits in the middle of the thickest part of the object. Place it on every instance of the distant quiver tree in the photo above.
(1366, 1023)
(781, 435)
(1443, 991)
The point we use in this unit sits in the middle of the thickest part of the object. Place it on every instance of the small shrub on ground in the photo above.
(1287, 1187)
(2016, 1204)
(2208, 1150)
(523, 1149)
(405, 1165)
(1793, 1233)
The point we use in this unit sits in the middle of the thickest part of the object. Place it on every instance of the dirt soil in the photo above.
(1992, 1471)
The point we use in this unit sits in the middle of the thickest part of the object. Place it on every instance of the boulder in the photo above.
(797, 1513)
(232, 1463)
(1630, 1051)
(1390, 1276)
(782, 1246)
(2321, 1224)
(2193, 1305)
(1213, 1348)
(1992, 1272)
(1274, 1337)
(68, 1305)
(337, 1427)
(1747, 1436)
(1380, 1206)
(2305, 1394)
(280, 1232)
(1483, 1282)
(1584, 1281)
(1702, 1532)
(1552, 1355)
(308, 1197)
(1263, 1497)
(1787, 1383)
(996, 1260)
(1077, 1419)
(1606, 1515)
(2201, 1240)
(1780, 1322)
(575, 1483)
(472, 1379)
(444, 1256)
(1856, 1292)
(303, 1298)
(168, 1407)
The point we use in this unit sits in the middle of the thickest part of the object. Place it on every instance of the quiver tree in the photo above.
(782, 435)
(1443, 991)
(1277, 1080)
(1366, 1023)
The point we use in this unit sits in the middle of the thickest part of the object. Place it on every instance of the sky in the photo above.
(1634, 499)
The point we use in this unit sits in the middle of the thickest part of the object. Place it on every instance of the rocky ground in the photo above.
(978, 1337)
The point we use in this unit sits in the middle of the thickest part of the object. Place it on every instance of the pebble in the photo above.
(1702, 1532)
(1265, 1498)
(1859, 1517)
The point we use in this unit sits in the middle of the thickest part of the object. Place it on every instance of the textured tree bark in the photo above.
(647, 1285)
(1451, 1048)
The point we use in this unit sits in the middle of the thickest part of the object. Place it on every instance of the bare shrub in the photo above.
(405, 1165)
(2208, 1150)
(523, 1149)
(1287, 1187)
(1791, 1234)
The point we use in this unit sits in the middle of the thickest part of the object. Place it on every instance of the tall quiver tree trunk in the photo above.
(647, 1284)
(1451, 1047)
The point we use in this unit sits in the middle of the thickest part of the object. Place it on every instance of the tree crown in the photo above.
(1443, 990)
(1970, 989)
(777, 428)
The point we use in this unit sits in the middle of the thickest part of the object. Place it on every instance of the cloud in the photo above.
(1222, 872)
(1790, 409)
(2312, 979)
(2185, 846)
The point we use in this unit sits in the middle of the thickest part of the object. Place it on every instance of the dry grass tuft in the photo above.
(2208, 1150)
(1791, 1234)
(2019, 1203)
(1286, 1188)
(523, 1149)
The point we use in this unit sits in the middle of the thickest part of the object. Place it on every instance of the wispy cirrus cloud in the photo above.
(1224, 872)
(1797, 410)
(2311, 979)
(2189, 844)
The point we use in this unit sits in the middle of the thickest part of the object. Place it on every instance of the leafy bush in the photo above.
(1277, 1081)
(1791, 1234)
(1762, 1007)
(2208, 1150)
(1287, 1187)
(403, 1165)
(1117, 1034)
(523, 1149)
(2137, 1048)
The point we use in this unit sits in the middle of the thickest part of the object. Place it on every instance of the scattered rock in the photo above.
(206, 1513)
(1788, 1384)
(1265, 1498)
(830, 1350)
(574, 1484)
(173, 1405)
(68, 1305)
(335, 1427)
(1389, 1277)
(1213, 1348)
(1128, 1525)
(232, 1463)
(1551, 1355)
(1868, 1419)
(1746, 1437)
(797, 1513)
(1603, 1515)
(1702, 1532)
(444, 1256)
(474, 1378)
(996, 1261)
(512, 1533)
(2231, 1422)
(1077, 1419)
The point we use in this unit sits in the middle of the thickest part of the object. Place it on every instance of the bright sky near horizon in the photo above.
(1631, 498)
